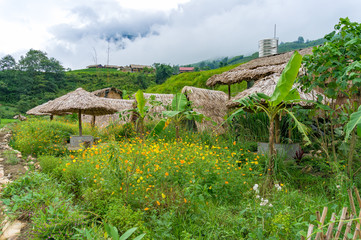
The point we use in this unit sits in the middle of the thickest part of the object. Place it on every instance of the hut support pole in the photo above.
(80, 128)
(93, 122)
(229, 91)
(51, 117)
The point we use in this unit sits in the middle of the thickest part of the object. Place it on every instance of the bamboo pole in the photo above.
(357, 196)
(352, 203)
(348, 228)
(357, 233)
(309, 232)
(330, 227)
(340, 224)
(322, 218)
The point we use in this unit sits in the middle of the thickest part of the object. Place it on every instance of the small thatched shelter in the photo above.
(211, 104)
(255, 69)
(110, 92)
(81, 102)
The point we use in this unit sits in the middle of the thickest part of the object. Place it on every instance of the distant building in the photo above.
(186, 69)
(95, 66)
(139, 68)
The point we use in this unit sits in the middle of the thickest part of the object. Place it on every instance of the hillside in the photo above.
(175, 83)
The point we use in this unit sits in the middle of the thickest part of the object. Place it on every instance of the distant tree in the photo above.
(300, 39)
(224, 62)
(37, 61)
(162, 72)
(7, 63)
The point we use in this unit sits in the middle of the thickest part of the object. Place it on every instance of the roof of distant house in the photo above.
(186, 68)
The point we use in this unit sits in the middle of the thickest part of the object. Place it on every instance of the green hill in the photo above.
(175, 83)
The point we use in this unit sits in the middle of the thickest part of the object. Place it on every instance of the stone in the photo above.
(12, 231)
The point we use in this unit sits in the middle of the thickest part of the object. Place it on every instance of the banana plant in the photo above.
(181, 110)
(355, 122)
(277, 103)
(139, 112)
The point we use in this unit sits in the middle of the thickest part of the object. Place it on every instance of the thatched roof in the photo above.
(210, 103)
(121, 105)
(105, 91)
(255, 69)
(77, 100)
(36, 110)
(267, 86)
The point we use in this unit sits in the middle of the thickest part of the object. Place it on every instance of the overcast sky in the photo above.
(79, 32)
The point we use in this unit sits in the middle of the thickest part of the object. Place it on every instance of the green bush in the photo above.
(39, 137)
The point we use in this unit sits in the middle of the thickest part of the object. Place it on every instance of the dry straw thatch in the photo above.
(267, 86)
(36, 110)
(210, 103)
(110, 92)
(122, 105)
(255, 69)
(79, 101)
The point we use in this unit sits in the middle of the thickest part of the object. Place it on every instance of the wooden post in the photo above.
(51, 117)
(229, 91)
(80, 128)
(93, 122)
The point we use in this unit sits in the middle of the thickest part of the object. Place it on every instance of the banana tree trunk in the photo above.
(271, 144)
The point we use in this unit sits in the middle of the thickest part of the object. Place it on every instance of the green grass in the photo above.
(4, 122)
(175, 83)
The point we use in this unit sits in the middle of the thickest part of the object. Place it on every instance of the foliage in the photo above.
(175, 83)
(335, 68)
(277, 103)
(37, 198)
(40, 136)
(181, 110)
(162, 72)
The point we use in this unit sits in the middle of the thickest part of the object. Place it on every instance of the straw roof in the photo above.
(105, 92)
(267, 86)
(77, 100)
(36, 110)
(121, 105)
(255, 69)
(210, 103)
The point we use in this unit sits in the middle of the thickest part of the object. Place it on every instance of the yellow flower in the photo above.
(185, 200)
(146, 209)
(163, 195)
(226, 182)
(210, 187)
(158, 203)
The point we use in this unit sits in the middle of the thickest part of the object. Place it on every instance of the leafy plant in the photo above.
(277, 103)
(181, 110)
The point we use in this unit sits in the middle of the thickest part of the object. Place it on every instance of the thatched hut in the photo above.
(160, 104)
(121, 105)
(255, 69)
(211, 104)
(37, 110)
(81, 102)
(267, 86)
(110, 92)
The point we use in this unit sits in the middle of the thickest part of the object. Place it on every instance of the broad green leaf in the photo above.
(234, 114)
(179, 102)
(158, 128)
(141, 101)
(301, 127)
(355, 121)
(292, 95)
(139, 237)
(171, 113)
(359, 130)
(263, 96)
(127, 234)
(286, 80)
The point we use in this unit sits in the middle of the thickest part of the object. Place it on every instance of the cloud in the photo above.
(193, 31)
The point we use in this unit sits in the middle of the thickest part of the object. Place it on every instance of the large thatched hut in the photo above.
(211, 104)
(255, 69)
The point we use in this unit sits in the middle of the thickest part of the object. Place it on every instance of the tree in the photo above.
(37, 61)
(300, 40)
(162, 72)
(335, 67)
(7, 63)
